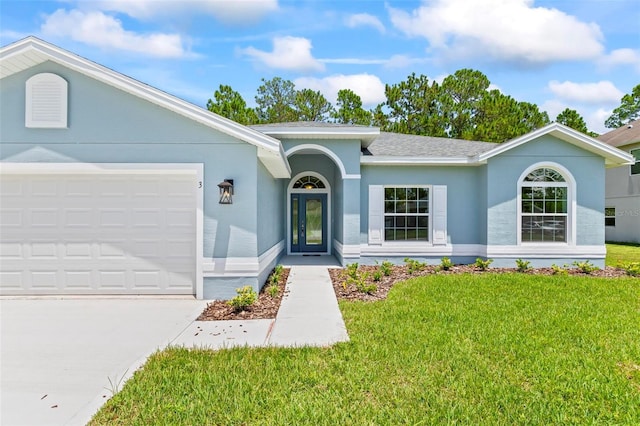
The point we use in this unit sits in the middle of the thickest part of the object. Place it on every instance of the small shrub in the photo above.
(523, 265)
(446, 264)
(585, 267)
(352, 270)
(377, 276)
(558, 270)
(245, 298)
(631, 268)
(414, 265)
(273, 290)
(483, 264)
(276, 274)
(362, 284)
(385, 268)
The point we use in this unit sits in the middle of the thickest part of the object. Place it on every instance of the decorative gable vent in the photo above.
(46, 102)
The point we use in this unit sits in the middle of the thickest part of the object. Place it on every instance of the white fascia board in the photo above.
(366, 135)
(120, 81)
(418, 161)
(276, 163)
(613, 156)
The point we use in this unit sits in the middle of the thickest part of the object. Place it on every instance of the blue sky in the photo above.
(581, 54)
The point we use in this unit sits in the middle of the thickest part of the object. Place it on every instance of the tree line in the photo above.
(463, 107)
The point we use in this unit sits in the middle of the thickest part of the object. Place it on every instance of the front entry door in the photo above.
(308, 223)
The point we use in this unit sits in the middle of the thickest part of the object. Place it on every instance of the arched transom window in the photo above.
(309, 182)
(544, 213)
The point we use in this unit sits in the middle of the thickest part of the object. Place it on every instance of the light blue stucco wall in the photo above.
(466, 199)
(503, 172)
(271, 218)
(107, 125)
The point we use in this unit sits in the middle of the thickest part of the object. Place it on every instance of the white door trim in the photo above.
(291, 190)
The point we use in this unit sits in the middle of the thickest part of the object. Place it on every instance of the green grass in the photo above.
(442, 349)
(617, 253)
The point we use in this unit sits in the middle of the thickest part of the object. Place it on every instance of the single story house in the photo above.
(110, 186)
(622, 190)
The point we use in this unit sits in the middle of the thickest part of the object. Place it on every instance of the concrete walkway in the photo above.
(308, 316)
(61, 359)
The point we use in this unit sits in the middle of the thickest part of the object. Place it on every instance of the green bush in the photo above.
(523, 265)
(360, 281)
(273, 290)
(446, 264)
(483, 264)
(377, 276)
(352, 270)
(414, 265)
(631, 268)
(585, 267)
(385, 268)
(245, 298)
(558, 270)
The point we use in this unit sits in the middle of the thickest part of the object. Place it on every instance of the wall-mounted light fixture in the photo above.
(226, 191)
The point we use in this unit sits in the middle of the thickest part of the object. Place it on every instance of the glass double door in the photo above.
(308, 223)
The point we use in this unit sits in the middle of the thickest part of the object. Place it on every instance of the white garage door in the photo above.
(108, 232)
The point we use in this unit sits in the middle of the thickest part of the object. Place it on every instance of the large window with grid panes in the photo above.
(406, 213)
(544, 208)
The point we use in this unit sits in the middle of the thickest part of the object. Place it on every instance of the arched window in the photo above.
(544, 206)
(309, 182)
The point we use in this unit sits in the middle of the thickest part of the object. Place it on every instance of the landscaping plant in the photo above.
(246, 297)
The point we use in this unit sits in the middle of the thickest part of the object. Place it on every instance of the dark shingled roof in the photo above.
(399, 145)
(307, 124)
(625, 135)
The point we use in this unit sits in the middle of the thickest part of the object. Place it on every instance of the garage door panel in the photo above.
(98, 234)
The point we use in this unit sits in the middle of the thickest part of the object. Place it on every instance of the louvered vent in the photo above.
(46, 102)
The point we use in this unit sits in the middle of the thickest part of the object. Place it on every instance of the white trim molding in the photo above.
(546, 251)
(347, 251)
(572, 207)
(326, 151)
(249, 267)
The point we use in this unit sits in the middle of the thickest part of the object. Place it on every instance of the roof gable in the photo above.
(613, 157)
(624, 135)
(32, 51)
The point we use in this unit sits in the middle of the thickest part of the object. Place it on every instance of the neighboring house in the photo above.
(110, 186)
(622, 205)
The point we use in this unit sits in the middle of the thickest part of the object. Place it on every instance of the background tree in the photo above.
(500, 118)
(312, 106)
(230, 104)
(460, 95)
(276, 100)
(571, 118)
(629, 110)
(413, 107)
(349, 109)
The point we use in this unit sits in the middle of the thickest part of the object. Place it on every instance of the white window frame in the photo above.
(571, 203)
(429, 216)
(610, 216)
(637, 157)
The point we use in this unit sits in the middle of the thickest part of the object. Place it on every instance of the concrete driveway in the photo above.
(57, 355)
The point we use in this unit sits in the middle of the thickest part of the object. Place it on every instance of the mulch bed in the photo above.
(399, 273)
(266, 307)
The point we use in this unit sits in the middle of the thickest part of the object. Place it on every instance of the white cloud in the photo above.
(586, 93)
(621, 57)
(232, 12)
(595, 120)
(505, 30)
(104, 31)
(364, 20)
(369, 87)
(289, 53)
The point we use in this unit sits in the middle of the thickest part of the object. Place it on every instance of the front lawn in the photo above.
(465, 349)
(624, 253)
